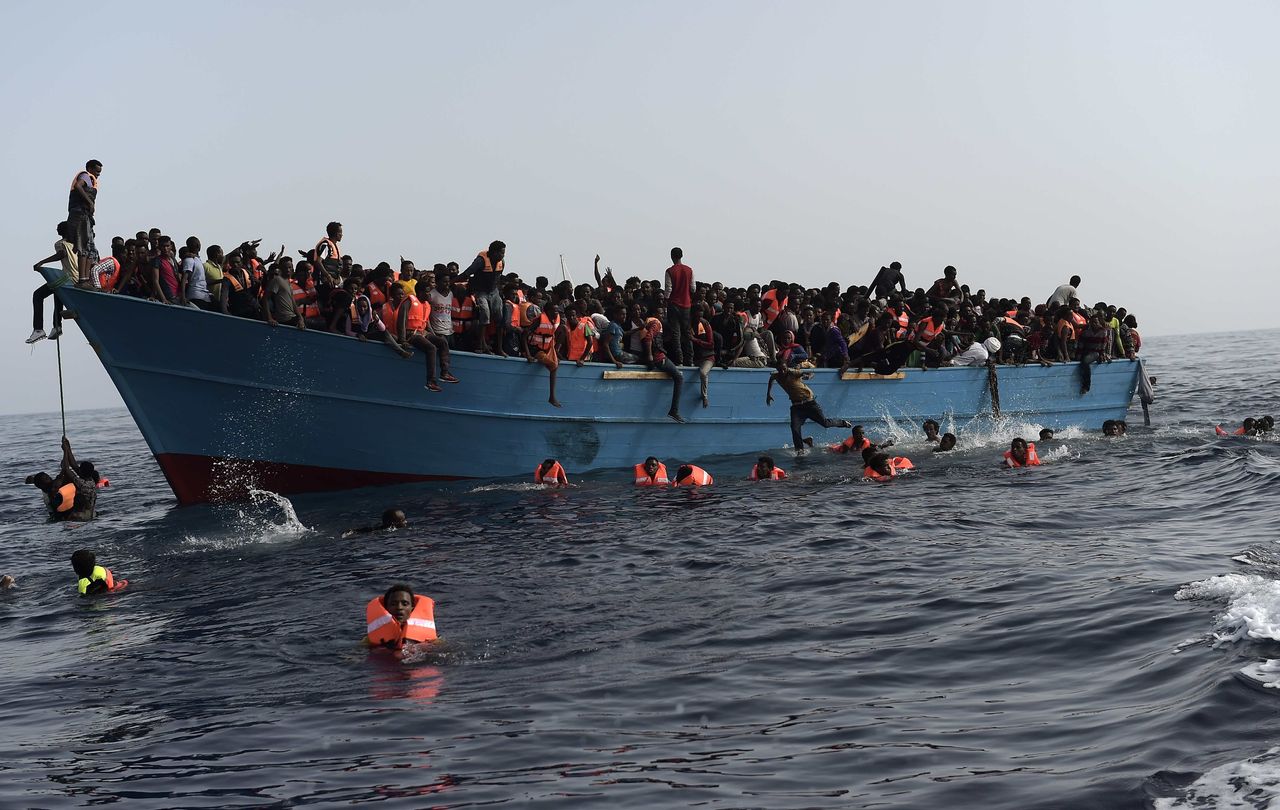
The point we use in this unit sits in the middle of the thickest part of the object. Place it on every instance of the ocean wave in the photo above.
(1253, 606)
(1249, 783)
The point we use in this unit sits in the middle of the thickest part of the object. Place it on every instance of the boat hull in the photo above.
(227, 404)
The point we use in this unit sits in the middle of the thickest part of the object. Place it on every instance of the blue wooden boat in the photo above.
(227, 404)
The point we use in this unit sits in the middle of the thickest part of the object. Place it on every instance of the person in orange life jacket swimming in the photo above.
(392, 519)
(651, 473)
(406, 318)
(71, 496)
(399, 618)
(804, 407)
(858, 442)
(1021, 453)
(882, 467)
(550, 472)
(1248, 428)
(946, 444)
(689, 475)
(93, 579)
(540, 343)
(764, 470)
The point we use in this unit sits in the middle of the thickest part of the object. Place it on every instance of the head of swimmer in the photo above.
(83, 562)
(394, 519)
(651, 466)
(947, 442)
(931, 430)
(1018, 447)
(881, 463)
(764, 466)
(41, 481)
(1110, 428)
(398, 600)
(1046, 434)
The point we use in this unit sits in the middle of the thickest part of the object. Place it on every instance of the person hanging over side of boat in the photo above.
(804, 407)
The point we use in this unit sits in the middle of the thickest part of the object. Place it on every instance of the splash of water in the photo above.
(267, 517)
(1249, 783)
(1253, 606)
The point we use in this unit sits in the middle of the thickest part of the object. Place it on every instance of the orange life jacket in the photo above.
(520, 312)
(1070, 328)
(1033, 459)
(377, 297)
(904, 322)
(776, 474)
(896, 465)
(544, 335)
(384, 631)
(463, 312)
(335, 250)
(659, 478)
(578, 341)
(697, 477)
(771, 307)
(1237, 432)
(927, 330)
(305, 309)
(66, 498)
(93, 181)
(106, 273)
(1079, 320)
(850, 446)
(239, 284)
(488, 265)
(554, 477)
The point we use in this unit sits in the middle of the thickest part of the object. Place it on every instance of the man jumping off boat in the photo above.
(804, 406)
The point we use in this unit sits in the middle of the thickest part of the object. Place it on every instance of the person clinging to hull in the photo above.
(804, 407)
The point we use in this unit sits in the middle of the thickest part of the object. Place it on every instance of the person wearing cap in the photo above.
(977, 354)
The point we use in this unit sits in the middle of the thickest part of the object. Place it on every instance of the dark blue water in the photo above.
(964, 637)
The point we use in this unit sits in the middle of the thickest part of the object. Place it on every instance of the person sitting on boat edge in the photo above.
(765, 470)
(406, 318)
(93, 579)
(392, 519)
(804, 406)
(399, 618)
(551, 473)
(946, 444)
(1021, 453)
(65, 252)
(657, 360)
(882, 467)
(857, 442)
(540, 343)
(651, 473)
(691, 475)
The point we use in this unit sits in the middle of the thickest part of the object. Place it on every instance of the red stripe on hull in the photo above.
(201, 479)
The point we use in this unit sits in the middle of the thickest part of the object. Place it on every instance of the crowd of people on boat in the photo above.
(678, 320)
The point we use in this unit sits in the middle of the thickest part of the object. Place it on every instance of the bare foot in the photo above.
(705, 402)
(677, 417)
(554, 402)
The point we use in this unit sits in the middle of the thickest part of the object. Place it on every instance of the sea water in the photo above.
(1100, 632)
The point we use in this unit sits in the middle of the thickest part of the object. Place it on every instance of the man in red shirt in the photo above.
(679, 288)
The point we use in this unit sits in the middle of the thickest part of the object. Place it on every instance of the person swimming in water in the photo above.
(399, 618)
(765, 470)
(946, 444)
(1046, 435)
(93, 579)
(550, 472)
(1021, 453)
(931, 431)
(882, 467)
(858, 442)
(392, 519)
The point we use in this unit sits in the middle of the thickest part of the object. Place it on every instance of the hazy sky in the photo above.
(1132, 143)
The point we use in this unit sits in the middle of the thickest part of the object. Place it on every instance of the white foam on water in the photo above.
(1253, 606)
(527, 486)
(1250, 784)
(978, 432)
(1265, 673)
(267, 517)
